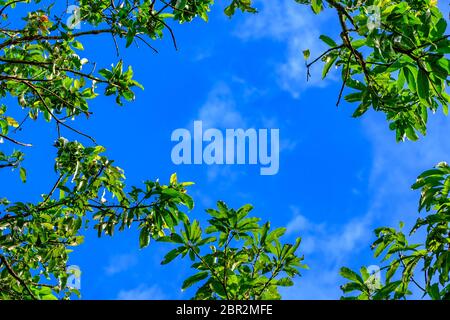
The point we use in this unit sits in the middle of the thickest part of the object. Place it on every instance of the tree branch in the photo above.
(15, 141)
(15, 276)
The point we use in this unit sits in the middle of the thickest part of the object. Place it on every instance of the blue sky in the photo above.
(339, 177)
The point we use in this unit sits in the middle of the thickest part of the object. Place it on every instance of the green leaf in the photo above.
(423, 85)
(144, 238)
(433, 292)
(328, 41)
(354, 97)
(130, 39)
(176, 238)
(77, 45)
(171, 256)
(206, 241)
(359, 43)
(362, 109)
(285, 282)
(351, 275)
(385, 292)
(441, 26)
(392, 270)
(410, 75)
(12, 122)
(351, 286)
(306, 54)
(23, 174)
(329, 62)
(173, 179)
(230, 10)
(49, 297)
(317, 6)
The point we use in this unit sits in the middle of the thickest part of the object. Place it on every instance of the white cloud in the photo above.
(224, 172)
(321, 285)
(219, 110)
(142, 292)
(277, 20)
(120, 263)
(397, 165)
(292, 73)
(326, 247)
(288, 145)
(298, 224)
(330, 241)
(203, 198)
(201, 54)
(298, 29)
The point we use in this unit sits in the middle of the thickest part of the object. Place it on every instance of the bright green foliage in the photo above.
(424, 265)
(12, 160)
(239, 259)
(244, 5)
(393, 55)
(35, 237)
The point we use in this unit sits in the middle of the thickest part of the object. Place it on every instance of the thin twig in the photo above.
(347, 74)
(15, 141)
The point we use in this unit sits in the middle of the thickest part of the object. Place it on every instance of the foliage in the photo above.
(244, 260)
(399, 67)
(393, 56)
(35, 237)
(430, 258)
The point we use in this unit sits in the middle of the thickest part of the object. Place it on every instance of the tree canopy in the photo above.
(423, 266)
(245, 260)
(393, 60)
